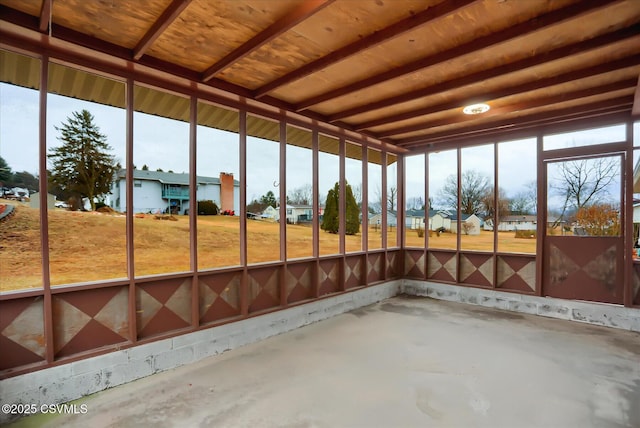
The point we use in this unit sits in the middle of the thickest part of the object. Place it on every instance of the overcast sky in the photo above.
(163, 143)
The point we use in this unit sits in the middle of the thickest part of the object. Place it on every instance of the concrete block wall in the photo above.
(587, 312)
(71, 381)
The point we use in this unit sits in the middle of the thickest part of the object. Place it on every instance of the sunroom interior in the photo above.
(303, 101)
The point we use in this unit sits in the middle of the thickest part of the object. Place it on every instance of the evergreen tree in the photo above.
(269, 199)
(5, 171)
(353, 213)
(82, 165)
(330, 219)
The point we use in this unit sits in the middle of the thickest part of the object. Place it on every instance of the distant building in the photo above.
(514, 222)
(34, 200)
(297, 213)
(469, 223)
(376, 219)
(269, 213)
(155, 192)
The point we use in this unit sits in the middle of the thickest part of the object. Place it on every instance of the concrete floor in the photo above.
(403, 362)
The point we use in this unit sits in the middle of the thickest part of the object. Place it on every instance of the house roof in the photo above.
(519, 218)
(463, 216)
(171, 177)
(432, 212)
(393, 73)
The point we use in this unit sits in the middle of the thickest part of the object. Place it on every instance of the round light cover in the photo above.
(476, 109)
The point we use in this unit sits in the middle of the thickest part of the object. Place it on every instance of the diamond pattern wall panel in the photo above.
(584, 268)
(22, 339)
(414, 264)
(299, 283)
(441, 266)
(163, 306)
(264, 288)
(374, 267)
(328, 276)
(517, 273)
(219, 296)
(476, 269)
(90, 319)
(353, 271)
(392, 264)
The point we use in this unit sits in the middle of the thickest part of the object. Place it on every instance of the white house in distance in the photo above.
(297, 213)
(375, 220)
(510, 223)
(156, 192)
(469, 223)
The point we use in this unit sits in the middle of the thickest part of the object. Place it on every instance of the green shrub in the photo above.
(420, 233)
(526, 234)
(208, 207)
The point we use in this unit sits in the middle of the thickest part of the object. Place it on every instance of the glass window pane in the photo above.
(584, 197)
(443, 198)
(161, 164)
(587, 137)
(518, 193)
(476, 198)
(86, 151)
(328, 182)
(374, 203)
(218, 191)
(263, 190)
(20, 251)
(414, 204)
(300, 216)
(392, 200)
(353, 194)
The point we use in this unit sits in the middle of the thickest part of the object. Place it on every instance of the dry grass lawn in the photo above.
(91, 246)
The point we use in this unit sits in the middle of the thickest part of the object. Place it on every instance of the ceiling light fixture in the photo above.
(476, 108)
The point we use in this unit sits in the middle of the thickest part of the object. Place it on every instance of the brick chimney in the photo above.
(226, 191)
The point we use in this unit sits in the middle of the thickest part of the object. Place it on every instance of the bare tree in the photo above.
(392, 193)
(302, 195)
(357, 193)
(415, 203)
(474, 189)
(489, 206)
(585, 182)
(525, 201)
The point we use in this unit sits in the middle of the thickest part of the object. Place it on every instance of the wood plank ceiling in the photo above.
(399, 71)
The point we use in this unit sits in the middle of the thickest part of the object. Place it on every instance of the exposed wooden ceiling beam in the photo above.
(168, 16)
(300, 13)
(45, 16)
(573, 11)
(401, 27)
(526, 105)
(559, 53)
(500, 93)
(636, 102)
(594, 109)
(600, 118)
